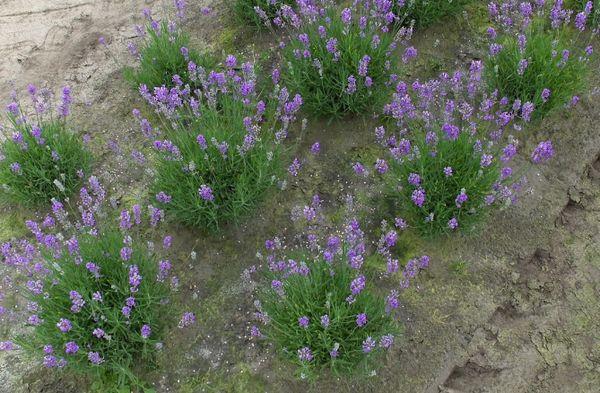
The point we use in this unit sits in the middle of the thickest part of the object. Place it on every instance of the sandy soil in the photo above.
(523, 316)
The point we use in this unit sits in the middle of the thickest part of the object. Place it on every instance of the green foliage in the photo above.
(324, 291)
(48, 164)
(545, 69)
(440, 190)
(427, 12)
(161, 57)
(245, 10)
(324, 85)
(123, 349)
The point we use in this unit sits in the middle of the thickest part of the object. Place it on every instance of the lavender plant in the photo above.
(165, 52)
(341, 60)
(41, 158)
(218, 149)
(536, 54)
(95, 300)
(451, 152)
(424, 13)
(318, 303)
(259, 13)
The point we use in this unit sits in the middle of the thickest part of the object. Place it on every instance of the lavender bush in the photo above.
(95, 299)
(319, 304)
(42, 158)
(451, 150)
(341, 60)
(538, 52)
(218, 150)
(165, 52)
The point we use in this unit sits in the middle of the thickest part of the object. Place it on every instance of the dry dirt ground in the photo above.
(514, 309)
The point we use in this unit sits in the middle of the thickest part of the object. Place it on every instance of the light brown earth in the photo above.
(522, 316)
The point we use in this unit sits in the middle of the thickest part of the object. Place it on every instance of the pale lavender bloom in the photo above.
(453, 223)
(94, 358)
(64, 325)
(386, 341)
(368, 345)
(325, 321)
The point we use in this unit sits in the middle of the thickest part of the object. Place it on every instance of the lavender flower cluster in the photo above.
(92, 295)
(219, 147)
(341, 60)
(539, 51)
(450, 145)
(41, 158)
(320, 307)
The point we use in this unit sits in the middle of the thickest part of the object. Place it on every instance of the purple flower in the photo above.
(453, 223)
(98, 333)
(414, 179)
(461, 198)
(386, 341)
(325, 321)
(359, 169)
(163, 198)
(346, 16)
(361, 320)
(351, 88)
(303, 322)
(7, 346)
(448, 171)
(71, 348)
(315, 148)
(255, 331)
(145, 331)
(381, 166)
(545, 95)
(15, 167)
(187, 319)
(64, 325)
(126, 253)
(305, 354)
(368, 345)
(418, 197)
(295, 167)
(206, 193)
(357, 285)
(94, 358)
(543, 152)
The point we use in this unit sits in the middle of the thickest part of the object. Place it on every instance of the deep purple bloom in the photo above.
(361, 320)
(543, 152)
(303, 322)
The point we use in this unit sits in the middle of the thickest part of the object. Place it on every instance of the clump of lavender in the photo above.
(538, 52)
(259, 13)
(318, 304)
(450, 150)
(165, 52)
(96, 296)
(221, 148)
(341, 60)
(40, 158)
